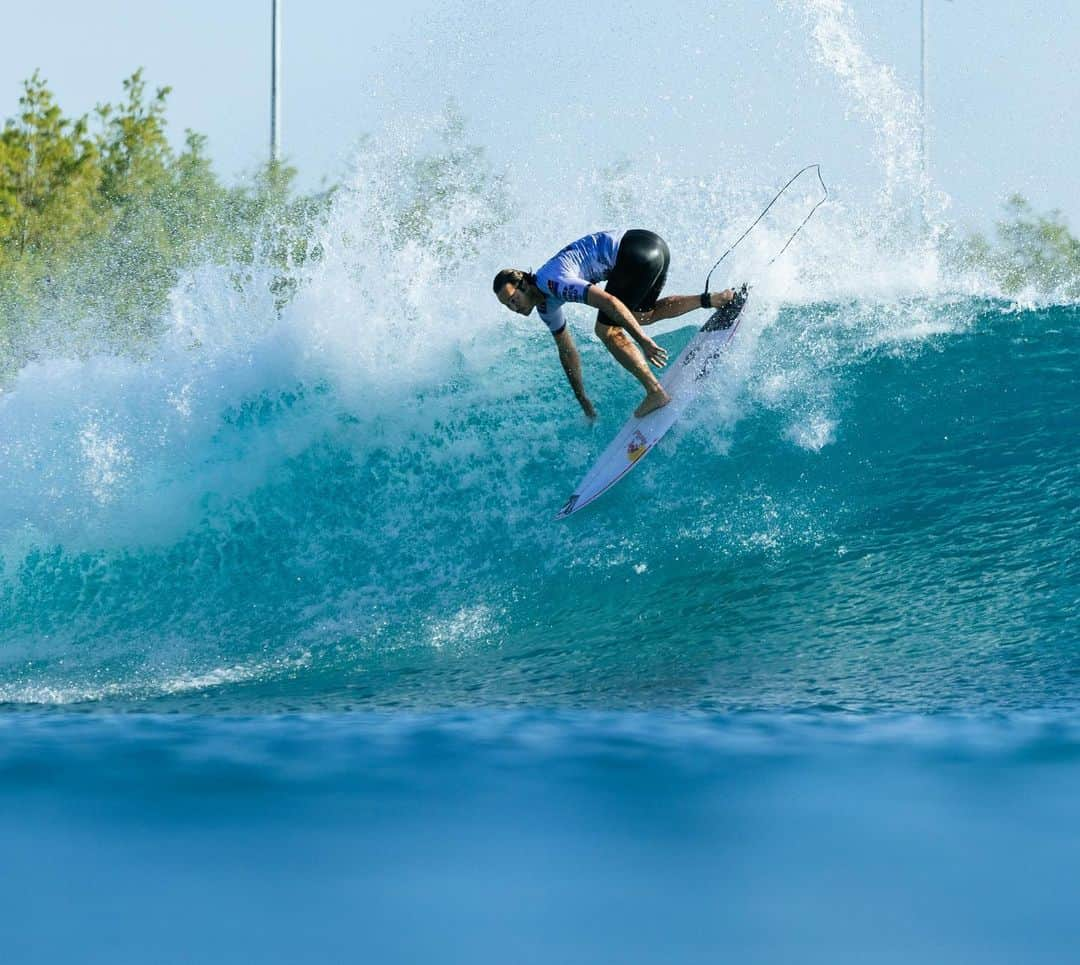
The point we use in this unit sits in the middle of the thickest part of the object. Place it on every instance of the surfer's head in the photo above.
(516, 289)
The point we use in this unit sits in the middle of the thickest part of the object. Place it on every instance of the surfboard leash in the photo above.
(821, 201)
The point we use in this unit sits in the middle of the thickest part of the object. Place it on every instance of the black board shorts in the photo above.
(639, 272)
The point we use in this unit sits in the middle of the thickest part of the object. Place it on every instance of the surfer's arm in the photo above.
(620, 315)
(571, 363)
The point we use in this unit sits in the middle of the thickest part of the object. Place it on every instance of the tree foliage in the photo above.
(50, 176)
(1031, 251)
(99, 215)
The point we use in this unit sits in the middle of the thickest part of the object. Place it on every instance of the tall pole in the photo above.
(922, 87)
(275, 81)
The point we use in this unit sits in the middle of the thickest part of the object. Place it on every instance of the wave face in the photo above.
(873, 506)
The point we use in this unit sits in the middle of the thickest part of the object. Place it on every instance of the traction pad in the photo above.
(725, 315)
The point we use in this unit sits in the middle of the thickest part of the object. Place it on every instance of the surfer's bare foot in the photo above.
(654, 400)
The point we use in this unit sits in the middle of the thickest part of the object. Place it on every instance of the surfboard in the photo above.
(682, 381)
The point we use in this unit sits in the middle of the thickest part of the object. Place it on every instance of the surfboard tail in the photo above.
(725, 315)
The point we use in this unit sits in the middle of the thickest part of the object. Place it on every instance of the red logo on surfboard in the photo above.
(637, 447)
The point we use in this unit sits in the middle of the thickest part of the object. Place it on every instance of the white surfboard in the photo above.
(682, 381)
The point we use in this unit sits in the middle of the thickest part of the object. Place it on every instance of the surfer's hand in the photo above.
(587, 408)
(654, 353)
(726, 297)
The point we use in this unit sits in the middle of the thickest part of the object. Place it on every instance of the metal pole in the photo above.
(922, 87)
(275, 81)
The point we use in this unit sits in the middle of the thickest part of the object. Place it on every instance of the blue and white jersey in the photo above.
(567, 276)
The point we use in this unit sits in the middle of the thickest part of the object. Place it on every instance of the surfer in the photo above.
(635, 264)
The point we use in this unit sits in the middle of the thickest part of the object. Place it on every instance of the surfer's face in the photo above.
(517, 298)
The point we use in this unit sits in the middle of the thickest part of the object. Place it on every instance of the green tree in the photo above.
(134, 145)
(50, 176)
(1030, 251)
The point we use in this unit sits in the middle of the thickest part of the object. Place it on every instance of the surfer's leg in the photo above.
(639, 274)
(636, 279)
(675, 305)
(630, 357)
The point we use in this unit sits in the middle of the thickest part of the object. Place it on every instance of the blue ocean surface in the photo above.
(539, 836)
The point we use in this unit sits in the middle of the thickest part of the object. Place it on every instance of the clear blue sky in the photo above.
(714, 83)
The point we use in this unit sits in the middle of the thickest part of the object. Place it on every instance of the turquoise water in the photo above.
(891, 529)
